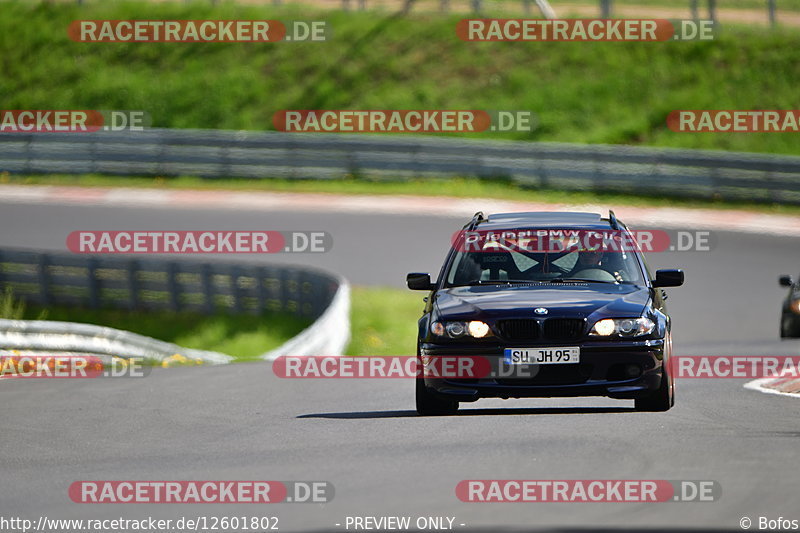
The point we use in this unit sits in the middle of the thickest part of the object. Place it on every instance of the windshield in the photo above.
(497, 263)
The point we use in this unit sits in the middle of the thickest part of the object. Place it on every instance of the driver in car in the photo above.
(593, 259)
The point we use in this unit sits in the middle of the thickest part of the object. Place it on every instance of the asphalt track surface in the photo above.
(241, 422)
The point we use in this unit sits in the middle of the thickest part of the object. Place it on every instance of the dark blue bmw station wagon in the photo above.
(562, 304)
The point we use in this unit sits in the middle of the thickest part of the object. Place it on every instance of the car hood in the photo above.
(573, 300)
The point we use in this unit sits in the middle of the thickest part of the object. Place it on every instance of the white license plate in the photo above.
(542, 356)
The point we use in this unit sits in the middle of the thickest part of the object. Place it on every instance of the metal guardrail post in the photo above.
(772, 18)
(172, 287)
(261, 290)
(284, 294)
(207, 284)
(43, 270)
(133, 283)
(238, 303)
(605, 9)
(546, 9)
(476, 6)
(94, 289)
(695, 9)
(28, 156)
(712, 10)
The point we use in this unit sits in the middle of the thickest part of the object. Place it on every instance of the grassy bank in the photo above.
(582, 92)
(384, 321)
(243, 336)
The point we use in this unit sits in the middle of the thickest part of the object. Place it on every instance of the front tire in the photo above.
(429, 404)
(662, 400)
(789, 328)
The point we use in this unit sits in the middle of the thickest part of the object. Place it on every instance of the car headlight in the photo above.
(624, 327)
(454, 330)
(794, 305)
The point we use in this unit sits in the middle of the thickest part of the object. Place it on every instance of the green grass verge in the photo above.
(384, 321)
(242, 336)
(455, 187)
(614, 92)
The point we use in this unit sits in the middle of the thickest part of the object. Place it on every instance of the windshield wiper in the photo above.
(497, 282)
(571, 280)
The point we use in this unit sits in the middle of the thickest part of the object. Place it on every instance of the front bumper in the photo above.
(605, 370)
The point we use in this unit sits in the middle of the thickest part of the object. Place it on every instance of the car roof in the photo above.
(544, 219)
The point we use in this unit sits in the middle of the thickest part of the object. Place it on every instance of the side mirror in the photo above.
(419, 281)
(785, 281)
(668, 277)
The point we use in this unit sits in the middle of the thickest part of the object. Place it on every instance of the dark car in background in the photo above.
(581, 322)
(790, 314)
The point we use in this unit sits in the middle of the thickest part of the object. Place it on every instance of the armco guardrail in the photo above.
(134, 283)
(223, 154)
(121, 282)
(69, 338)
